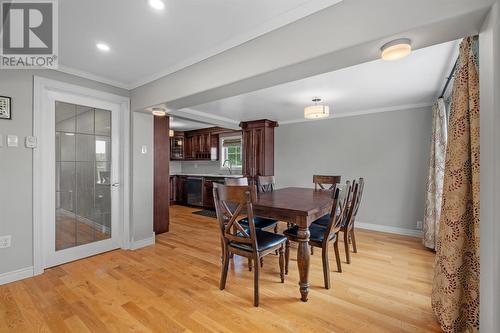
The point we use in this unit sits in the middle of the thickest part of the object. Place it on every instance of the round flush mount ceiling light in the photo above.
(156, 4)
(159, 112)
(397, 49)
(316, 111)
(103, 47)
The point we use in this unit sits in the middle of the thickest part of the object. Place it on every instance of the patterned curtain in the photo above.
(436, 175)
(455, 291)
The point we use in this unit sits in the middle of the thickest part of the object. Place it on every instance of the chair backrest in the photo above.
(322, 182)
(351, 206)
(243, 181)
(266, 184)
(341, 196)
(230, 203)
(361, 183)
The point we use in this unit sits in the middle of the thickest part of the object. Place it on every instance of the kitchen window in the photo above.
(231, 150)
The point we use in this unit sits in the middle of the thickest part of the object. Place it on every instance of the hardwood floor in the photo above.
(173, 287)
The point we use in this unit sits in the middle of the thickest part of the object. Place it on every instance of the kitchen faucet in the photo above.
(228, 166)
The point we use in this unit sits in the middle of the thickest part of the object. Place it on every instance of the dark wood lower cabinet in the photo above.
(208, 194)
(181, 190)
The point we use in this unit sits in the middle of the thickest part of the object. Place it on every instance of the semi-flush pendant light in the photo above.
(159, 112)
(397, 49)
(316, 111)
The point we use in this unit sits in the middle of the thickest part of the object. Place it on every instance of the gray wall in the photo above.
(142, 176)
(16, 164)
(489, 44)
(390, 150)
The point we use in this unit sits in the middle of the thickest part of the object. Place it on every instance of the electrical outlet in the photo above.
(5, 241)
(419, 225)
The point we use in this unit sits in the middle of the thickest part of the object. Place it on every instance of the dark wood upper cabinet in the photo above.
(200, 144)
(177, 146)
(258, 148)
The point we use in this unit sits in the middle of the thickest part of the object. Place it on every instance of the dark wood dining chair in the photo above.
(350, 217)
(348, 226)
(322, 182)
(265, 184)
(260, 222)
(322, 236)
(248, 242)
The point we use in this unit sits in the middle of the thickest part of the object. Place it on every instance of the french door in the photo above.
(82, 167)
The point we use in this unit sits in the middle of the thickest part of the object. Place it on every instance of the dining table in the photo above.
(299, 206)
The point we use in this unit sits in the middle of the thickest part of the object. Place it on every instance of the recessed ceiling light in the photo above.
(156, 4)
(160, 112)
(397, 49)
(103, 47)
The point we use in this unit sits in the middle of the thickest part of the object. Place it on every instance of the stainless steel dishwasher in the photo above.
(195, 191)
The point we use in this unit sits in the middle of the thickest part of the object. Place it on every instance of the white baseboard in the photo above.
(16, 275)
(391, 230)
(142, 243)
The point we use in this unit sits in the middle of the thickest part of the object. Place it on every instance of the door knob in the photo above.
(115, 184)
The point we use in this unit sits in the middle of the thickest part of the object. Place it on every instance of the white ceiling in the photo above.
(147, 44)
(370, 87)
(181, 124)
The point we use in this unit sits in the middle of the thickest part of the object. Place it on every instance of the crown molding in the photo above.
(93, 77)
(362, 112)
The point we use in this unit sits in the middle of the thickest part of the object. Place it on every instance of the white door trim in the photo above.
(43, 88)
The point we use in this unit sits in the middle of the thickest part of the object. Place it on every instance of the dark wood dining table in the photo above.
(300, 206)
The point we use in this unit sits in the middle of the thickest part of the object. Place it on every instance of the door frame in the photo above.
(43, 91)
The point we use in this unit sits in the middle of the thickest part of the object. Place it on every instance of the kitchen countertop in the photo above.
(213, 175)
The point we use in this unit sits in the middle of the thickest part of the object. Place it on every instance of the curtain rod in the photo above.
(448, 80)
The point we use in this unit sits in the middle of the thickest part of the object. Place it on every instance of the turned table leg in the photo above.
(303, 257)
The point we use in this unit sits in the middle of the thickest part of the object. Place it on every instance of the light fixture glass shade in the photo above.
(159, 112)
(397, 49)
(317, 111)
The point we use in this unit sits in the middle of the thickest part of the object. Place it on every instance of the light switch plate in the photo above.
(5, 241)
(30, 142)
(12, 140)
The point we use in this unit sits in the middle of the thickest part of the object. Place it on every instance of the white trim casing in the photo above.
(388, 229)
(143, 243)
(43, 93)
(16, 275)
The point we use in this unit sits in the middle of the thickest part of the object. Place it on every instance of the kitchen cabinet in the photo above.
(258, 148)
(173, 189)
(177, 146)
(181, 190)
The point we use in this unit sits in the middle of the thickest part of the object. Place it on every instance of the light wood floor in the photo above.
(173, 287)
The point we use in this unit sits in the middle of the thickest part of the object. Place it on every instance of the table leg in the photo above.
(303, 257)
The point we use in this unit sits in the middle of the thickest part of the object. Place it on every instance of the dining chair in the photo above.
(322, 236)
(321, 182)
(348, 226)
(265, 184)
(350, 217)
(249, 241)
(260, 222)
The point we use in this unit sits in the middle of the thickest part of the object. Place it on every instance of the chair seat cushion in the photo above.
(260, 222)
(265, 241)
(317, 233)
(323, 221)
